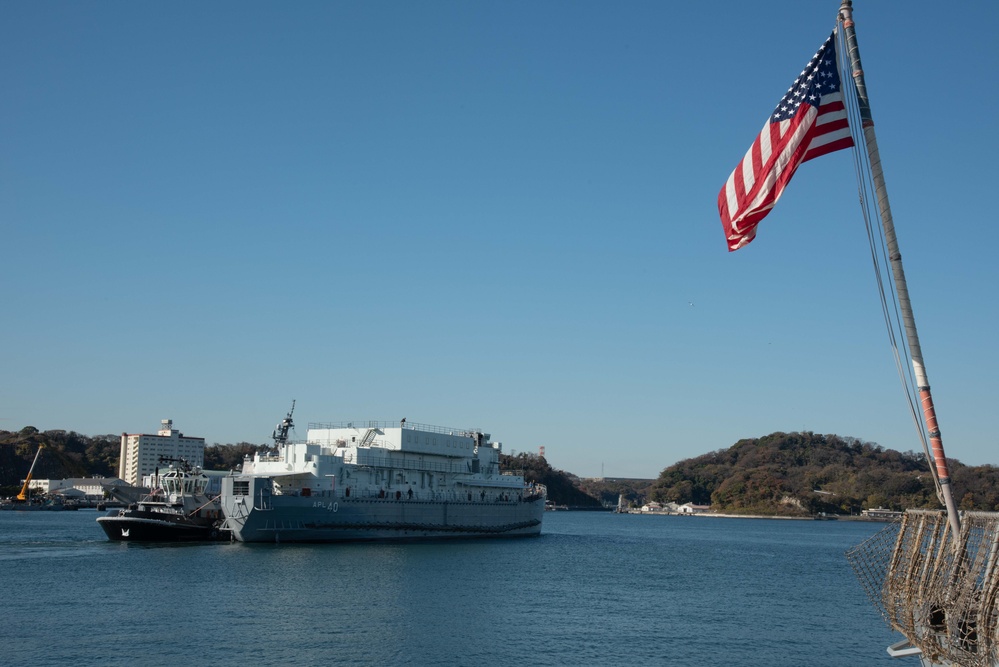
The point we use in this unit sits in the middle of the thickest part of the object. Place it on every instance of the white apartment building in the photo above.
(141, 452)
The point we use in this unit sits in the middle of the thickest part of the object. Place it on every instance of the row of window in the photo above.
(414, 438)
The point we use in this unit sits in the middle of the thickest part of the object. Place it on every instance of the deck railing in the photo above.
(428, 428)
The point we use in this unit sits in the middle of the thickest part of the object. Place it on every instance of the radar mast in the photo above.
(280, 434)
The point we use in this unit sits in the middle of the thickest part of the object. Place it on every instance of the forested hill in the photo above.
(563, 489)
(807, 473)
(66, 454)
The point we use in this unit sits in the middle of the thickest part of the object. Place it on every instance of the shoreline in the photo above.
(718, 515)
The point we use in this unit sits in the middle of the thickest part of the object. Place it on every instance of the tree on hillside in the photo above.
(230, 457)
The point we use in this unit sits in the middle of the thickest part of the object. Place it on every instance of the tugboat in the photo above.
(176, 510)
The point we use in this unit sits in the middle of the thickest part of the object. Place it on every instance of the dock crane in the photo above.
(23, 495)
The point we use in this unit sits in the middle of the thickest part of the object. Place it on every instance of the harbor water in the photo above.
(594, 589)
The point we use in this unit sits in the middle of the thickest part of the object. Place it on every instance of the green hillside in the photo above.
(807, 473)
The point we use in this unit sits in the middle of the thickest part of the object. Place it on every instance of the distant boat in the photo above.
(37, 505)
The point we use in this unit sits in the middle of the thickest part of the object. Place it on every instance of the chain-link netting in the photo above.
(942, 598)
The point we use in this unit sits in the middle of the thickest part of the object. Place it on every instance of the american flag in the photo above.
(809, 121)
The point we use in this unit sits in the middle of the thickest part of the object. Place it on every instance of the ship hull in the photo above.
(139, 526)
(298, 519)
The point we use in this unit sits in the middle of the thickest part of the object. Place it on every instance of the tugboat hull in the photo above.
(138, 526)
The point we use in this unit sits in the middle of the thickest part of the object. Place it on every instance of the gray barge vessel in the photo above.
(354, 481)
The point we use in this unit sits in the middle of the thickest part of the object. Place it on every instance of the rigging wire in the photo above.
(879, 258)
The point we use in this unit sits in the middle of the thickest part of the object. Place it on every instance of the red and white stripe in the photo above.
(760, 178)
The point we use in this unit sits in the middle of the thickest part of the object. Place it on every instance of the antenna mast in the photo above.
(280, 434)
(895, 257)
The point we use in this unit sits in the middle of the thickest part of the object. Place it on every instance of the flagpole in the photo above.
(895, 257)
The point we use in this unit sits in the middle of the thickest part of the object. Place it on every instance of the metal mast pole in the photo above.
(895, 257)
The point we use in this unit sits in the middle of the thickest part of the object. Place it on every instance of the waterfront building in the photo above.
(141, 452)
(88, 488)
(660, 508)
(691, 508)
(882, 514)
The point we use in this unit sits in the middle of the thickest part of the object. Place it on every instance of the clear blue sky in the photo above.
(482, 214)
